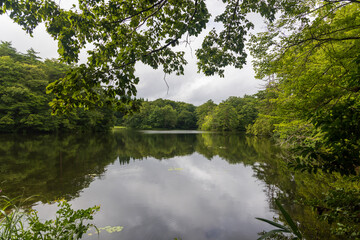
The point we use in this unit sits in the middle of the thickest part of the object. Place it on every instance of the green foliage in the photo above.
(163, 117)
(125, 33)
(341, 208)
(315, 200)
(204, 110)
(24, 104)
(233, 114)
(310, 60)
(267, 117)
(224, 118)
(10, 223)
(263, 126)
(163, 114)
(17, 223)
(313, 70)
(290, 228)
(186, 120)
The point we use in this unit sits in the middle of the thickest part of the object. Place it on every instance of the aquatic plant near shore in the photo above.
(291, 228)
(19, 223)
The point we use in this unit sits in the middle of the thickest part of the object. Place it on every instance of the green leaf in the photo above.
(289, 220)
(274, 224)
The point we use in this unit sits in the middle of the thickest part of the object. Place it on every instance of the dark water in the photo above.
(155, 185)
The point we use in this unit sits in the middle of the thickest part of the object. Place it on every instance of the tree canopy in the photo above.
(126, 32)
(233, 114)
(24, 104)
(312, 64)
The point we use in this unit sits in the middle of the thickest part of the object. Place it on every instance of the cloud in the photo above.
(41, 42)
(194, 87)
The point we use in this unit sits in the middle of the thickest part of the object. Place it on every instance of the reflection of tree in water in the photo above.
(61, 167)
(261, 154)
(136, 145)
(290, 187)
(231, 147)
(52, 167)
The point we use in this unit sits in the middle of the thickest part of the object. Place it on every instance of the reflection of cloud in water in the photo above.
(205, 200)
(199, 173)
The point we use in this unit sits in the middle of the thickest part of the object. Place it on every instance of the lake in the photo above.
(153, 184)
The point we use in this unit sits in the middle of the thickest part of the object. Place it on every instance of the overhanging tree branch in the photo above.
(171, 42)
(160, 3)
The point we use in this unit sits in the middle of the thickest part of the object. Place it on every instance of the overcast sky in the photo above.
(192, 87)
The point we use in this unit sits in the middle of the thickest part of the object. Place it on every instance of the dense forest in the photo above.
(24, 104)
(311, 104)
(233, 114)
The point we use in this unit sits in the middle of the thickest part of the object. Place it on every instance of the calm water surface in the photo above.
(155, 184)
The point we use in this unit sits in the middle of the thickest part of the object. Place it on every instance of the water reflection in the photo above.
(157, 185)
(52, 167)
